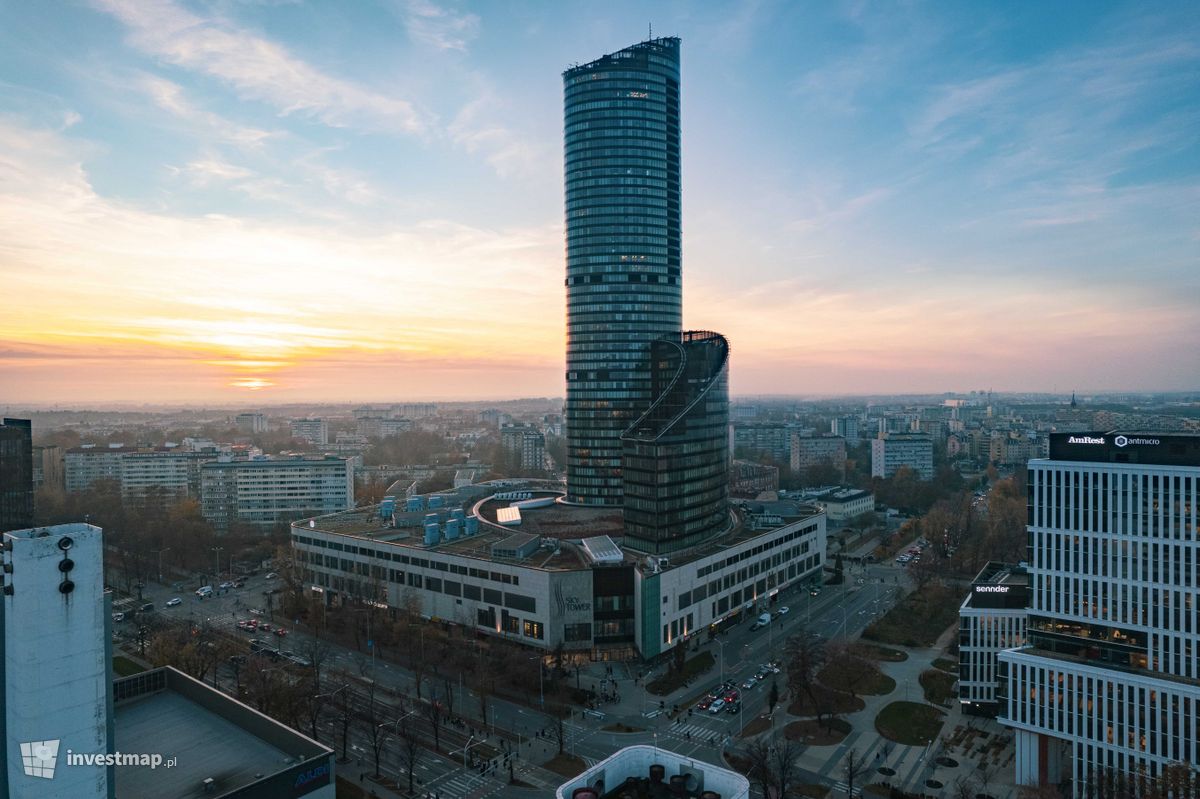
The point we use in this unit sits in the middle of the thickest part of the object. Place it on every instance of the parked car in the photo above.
(716, 706)
(172, 602)
(271, 575)
(149, 606)
(118, 617)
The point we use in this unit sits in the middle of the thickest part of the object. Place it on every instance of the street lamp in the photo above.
(721, 644)
(159, 553)
(217, 558)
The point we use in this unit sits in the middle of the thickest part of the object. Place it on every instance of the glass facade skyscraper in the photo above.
(622, 171)
(16, 474)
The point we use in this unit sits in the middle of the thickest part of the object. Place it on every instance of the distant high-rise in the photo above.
(623, 250)
(16, 474)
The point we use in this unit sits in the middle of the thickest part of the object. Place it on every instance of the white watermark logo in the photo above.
(39, 758)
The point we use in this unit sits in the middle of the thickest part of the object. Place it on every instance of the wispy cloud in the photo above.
(438, 26)
(258, 68)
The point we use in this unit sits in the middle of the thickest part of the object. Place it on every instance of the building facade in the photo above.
(48, 467)
(846, 427)
(661, 771)
(810, 451)
(1108, 685)
(16, 474)
(251, 423)
(891, 451)
(268, 491)
(624, 241)
(991, 619)
(773, 439)
(843, 504)
(314, 431)
(524, 445)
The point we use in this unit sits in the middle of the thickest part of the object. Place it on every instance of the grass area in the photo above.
(123, 666)
(910, 723)
(865, 679)
(621, 728)
(565, 765)
(876, 652)
(918, 619)
(693, 668)
(839, 703)
(813, 734)
(938, 685)
(946, 664)
(760, 724)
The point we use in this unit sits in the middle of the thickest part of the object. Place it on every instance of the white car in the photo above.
(783, 611)
(750, 683)
(227, 585)
(271, 575)
(716, 706)
(174, 601)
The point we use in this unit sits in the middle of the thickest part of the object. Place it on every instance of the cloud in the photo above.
(477, 130)
(170, 97)
(436, 26)
(258, 68)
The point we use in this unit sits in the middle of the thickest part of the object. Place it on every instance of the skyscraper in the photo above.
(16, 474)
(1107, 690)
(621, 127)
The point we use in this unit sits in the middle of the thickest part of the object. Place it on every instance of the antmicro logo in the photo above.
(1124, 441)
(39, 758)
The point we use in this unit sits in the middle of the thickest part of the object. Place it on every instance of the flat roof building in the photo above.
(645, 770)
(16, 474)
(991, 619)
(270, 490)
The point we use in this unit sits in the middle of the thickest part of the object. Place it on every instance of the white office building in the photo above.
(1108, 685)
(991, 619)
(655, 771)
(892, 451)
(266, 491)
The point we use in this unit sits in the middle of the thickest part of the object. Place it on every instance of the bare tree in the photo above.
(962, 789)
(432, 711)
(410, 751)
(343, 706)
(784, 754)
(370, 714)
(758, 756)
(849, 672)
(805, 653)
(560, 725)
(853, 767)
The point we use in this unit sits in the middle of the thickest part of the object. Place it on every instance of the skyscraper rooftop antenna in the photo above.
(649, 31)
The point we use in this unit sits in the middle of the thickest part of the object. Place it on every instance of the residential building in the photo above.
(314, 431)
(661, 771)
(675, 457)
(525, 446)
(1108, 685)
(749, 479)
(48, 469)
(167, 472)
(381, 427)
(251, 423)
(991, 619)
(88, 464)
(415, 410)
(891, 451)
(845, 426)
(623, 237)
(773, 439)
(16, 474)
(270, 490)
(810, 451)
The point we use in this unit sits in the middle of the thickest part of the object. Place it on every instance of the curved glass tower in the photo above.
(623, 250)
(676, 455)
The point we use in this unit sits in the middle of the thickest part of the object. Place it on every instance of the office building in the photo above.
(1108, 685)
(314, 431)
(644, 770)
(251, 423)
(810, 451)
(893, 451)
(48, 467)
(844, 504)
(675, 457)
(622, 170)
(267, 491)
(991, 619)
(506, 559)
(62, 708)
(524, 446)
(16, 474)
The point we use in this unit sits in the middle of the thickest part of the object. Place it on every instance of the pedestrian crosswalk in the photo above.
(694, 732)
(462, 784)
(842, 788)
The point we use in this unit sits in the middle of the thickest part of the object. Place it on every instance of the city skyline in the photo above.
(268, 203)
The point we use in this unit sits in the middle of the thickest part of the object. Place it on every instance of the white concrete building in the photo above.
(891, 451)
(663, 771)
(843, 504)
(991, 619)
(269, 490)
(1109, 682)
(525, 444)
(169, 471)
(314, 431)
(84, 466)
(56, 635)
(810, 451)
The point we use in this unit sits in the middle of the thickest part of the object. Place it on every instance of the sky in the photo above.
(257, 201)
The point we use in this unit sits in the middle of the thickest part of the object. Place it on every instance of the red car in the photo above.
(280, 632)
(705, 702)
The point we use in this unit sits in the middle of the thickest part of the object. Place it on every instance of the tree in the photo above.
(409, 749)
(773, 697)
(772, 761)
(847, 671)
(853, 767)
(805, 653)
(559, 712)
(344, 705)
(433, 714)
(371, 715)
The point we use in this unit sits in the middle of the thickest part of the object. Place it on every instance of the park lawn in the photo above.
(876, 652)
(946, 664)
(760, 724)
(565, 765)
(693, 668)
(841, 703)
(876, 683)
(124, 667)
(812, 733)
(918, 619)
(938, 685)
(909, 723)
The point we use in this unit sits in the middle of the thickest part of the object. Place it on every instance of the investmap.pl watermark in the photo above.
(40, 758)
